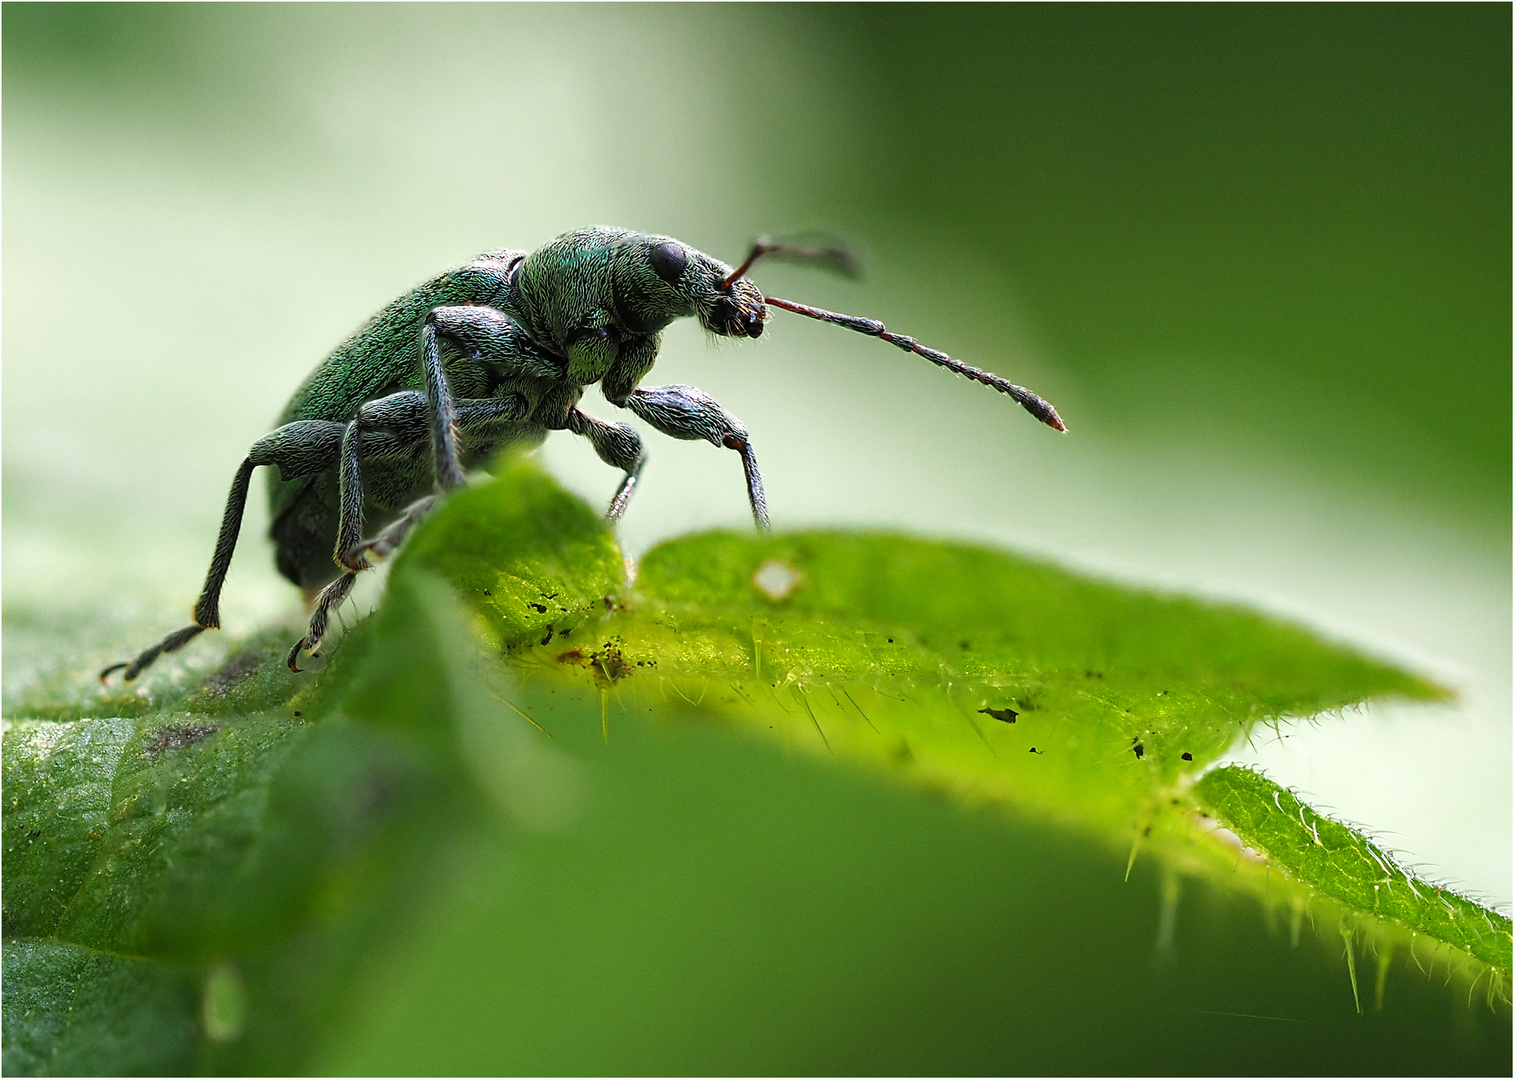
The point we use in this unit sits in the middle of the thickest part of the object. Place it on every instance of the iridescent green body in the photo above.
(587, 307)
(493, 354)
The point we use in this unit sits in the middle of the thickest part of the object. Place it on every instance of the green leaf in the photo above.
(1341, 863)
(57, 782)
(999, 678)
(71, 1011)
(429, 857)
(951, 663)
(520, 551)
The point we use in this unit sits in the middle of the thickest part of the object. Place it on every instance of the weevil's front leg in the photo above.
(619, 447)
(297, 449)
(686, 412)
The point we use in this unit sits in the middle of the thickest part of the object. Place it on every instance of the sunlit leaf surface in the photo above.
(532, 818)
(1347, 866)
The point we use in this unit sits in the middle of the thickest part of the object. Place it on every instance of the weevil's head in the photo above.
(670, 279)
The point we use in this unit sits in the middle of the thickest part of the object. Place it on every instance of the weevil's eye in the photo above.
(669, 260)
(754, 323)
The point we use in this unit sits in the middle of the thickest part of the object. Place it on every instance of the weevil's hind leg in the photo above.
(619, 447)
(298, 449)
(327, 600)
(173, 643)
(207, 613)
(687, 412)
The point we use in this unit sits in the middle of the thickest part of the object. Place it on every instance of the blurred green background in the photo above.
(1258, 257)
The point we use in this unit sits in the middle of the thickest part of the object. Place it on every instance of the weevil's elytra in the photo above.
(493, 354)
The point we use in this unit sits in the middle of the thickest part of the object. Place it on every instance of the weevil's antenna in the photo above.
(828, 253)
(1032, 403)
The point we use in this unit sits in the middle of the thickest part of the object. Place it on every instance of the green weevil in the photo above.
(497, 353)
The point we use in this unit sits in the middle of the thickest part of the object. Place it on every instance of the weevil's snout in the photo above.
(738, 311)
(749, 323)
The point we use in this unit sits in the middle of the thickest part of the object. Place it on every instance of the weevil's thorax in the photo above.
(591, 279)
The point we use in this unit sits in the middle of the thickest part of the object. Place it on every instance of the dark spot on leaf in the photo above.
(488, 593)
(1034, 750)
(378, 793)
(610, 662)
(565, 633)
(1006, 715)
(540, 609)
(1138, 750)
(176, 737)
(236, 670)
(297, 713)
(1147, 831)
(891, 641)
(963, 645)
(1187, 756)
(548, 639)
(33, 832)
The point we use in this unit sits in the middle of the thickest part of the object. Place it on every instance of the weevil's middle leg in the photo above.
(390, 425)
(394, 535)
(619, 447)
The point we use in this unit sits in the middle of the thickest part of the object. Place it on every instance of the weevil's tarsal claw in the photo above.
(106, 674)
(328, 599)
